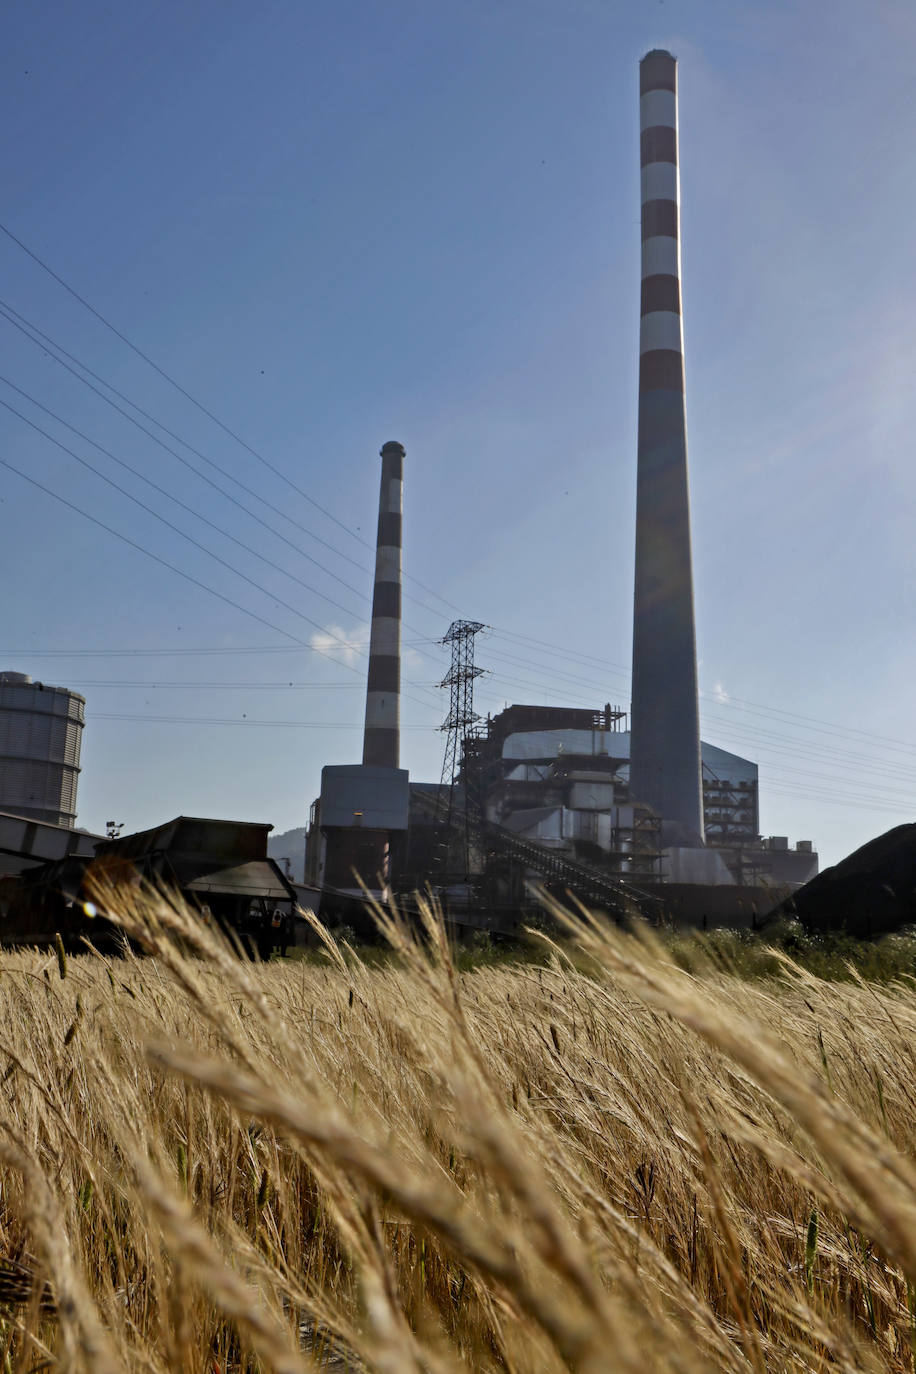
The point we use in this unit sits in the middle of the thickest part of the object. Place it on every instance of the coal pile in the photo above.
(871, 892)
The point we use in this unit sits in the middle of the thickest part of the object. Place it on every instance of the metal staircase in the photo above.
(593, 886)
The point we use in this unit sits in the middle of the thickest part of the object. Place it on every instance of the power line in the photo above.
(812, 746)
(570, 677)
(141, 476)
(848, 802)
(316, 625)
(224, 686)
(540, 667)
(149, 554)
(799, 750)
(858, 801)
(864, 765)
(295, 648)
(539, 689)
(236, 605)
(197, 544)
(894, 787)
(26, 326)
(250, 491)
(814, 722)
(204, 410)
(557, 651)
(172, 382)
(234, 720)
(832, 796)
(742, 706)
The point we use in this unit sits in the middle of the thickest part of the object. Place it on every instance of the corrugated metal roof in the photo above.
(167, 836)
(40, 841)
(255, 879)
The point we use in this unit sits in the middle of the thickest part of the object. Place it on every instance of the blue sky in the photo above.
(340, 224)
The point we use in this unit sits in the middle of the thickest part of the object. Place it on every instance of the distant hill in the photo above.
(290, 845)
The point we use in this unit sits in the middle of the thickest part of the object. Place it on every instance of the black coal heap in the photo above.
(871, 892)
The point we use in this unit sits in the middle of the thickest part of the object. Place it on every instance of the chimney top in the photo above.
(657, 72)
(392, 446)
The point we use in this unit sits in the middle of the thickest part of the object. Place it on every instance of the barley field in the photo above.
(606, 1162)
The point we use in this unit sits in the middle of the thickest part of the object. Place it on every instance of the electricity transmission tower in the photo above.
(458, 723)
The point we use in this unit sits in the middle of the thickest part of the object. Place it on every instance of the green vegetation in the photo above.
(834, 957)
(744, 953)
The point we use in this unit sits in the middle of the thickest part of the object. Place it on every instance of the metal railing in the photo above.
(593, 886)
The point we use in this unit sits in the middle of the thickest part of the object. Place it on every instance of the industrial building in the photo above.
(28, 844)
(220, 868)
(649, 815)
(627, 809)
(41, 729)
(561, 777)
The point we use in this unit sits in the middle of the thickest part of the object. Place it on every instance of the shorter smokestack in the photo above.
(381, 741)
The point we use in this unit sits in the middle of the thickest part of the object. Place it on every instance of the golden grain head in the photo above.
(610, 1159)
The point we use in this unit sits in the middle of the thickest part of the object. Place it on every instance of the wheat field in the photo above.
(601, 1163)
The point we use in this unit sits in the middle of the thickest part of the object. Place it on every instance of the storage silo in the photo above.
(41, 729)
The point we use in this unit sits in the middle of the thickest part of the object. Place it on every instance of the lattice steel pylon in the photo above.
(460, 720)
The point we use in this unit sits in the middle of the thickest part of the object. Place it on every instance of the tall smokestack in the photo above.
(665, 769)
(381, 741)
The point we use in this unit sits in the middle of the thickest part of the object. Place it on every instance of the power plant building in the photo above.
(562, 777)
(564, 794)
(41, 730)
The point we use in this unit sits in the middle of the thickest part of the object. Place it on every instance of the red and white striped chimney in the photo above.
(381, 740)
(665, 769)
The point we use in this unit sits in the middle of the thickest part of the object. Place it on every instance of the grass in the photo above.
(832, 955)
(611, 1161)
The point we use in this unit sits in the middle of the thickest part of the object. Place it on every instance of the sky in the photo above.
(318, 227)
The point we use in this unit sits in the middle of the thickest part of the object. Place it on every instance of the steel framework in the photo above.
(458, 724)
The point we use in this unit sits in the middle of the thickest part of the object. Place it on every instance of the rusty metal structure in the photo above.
(220, 868)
